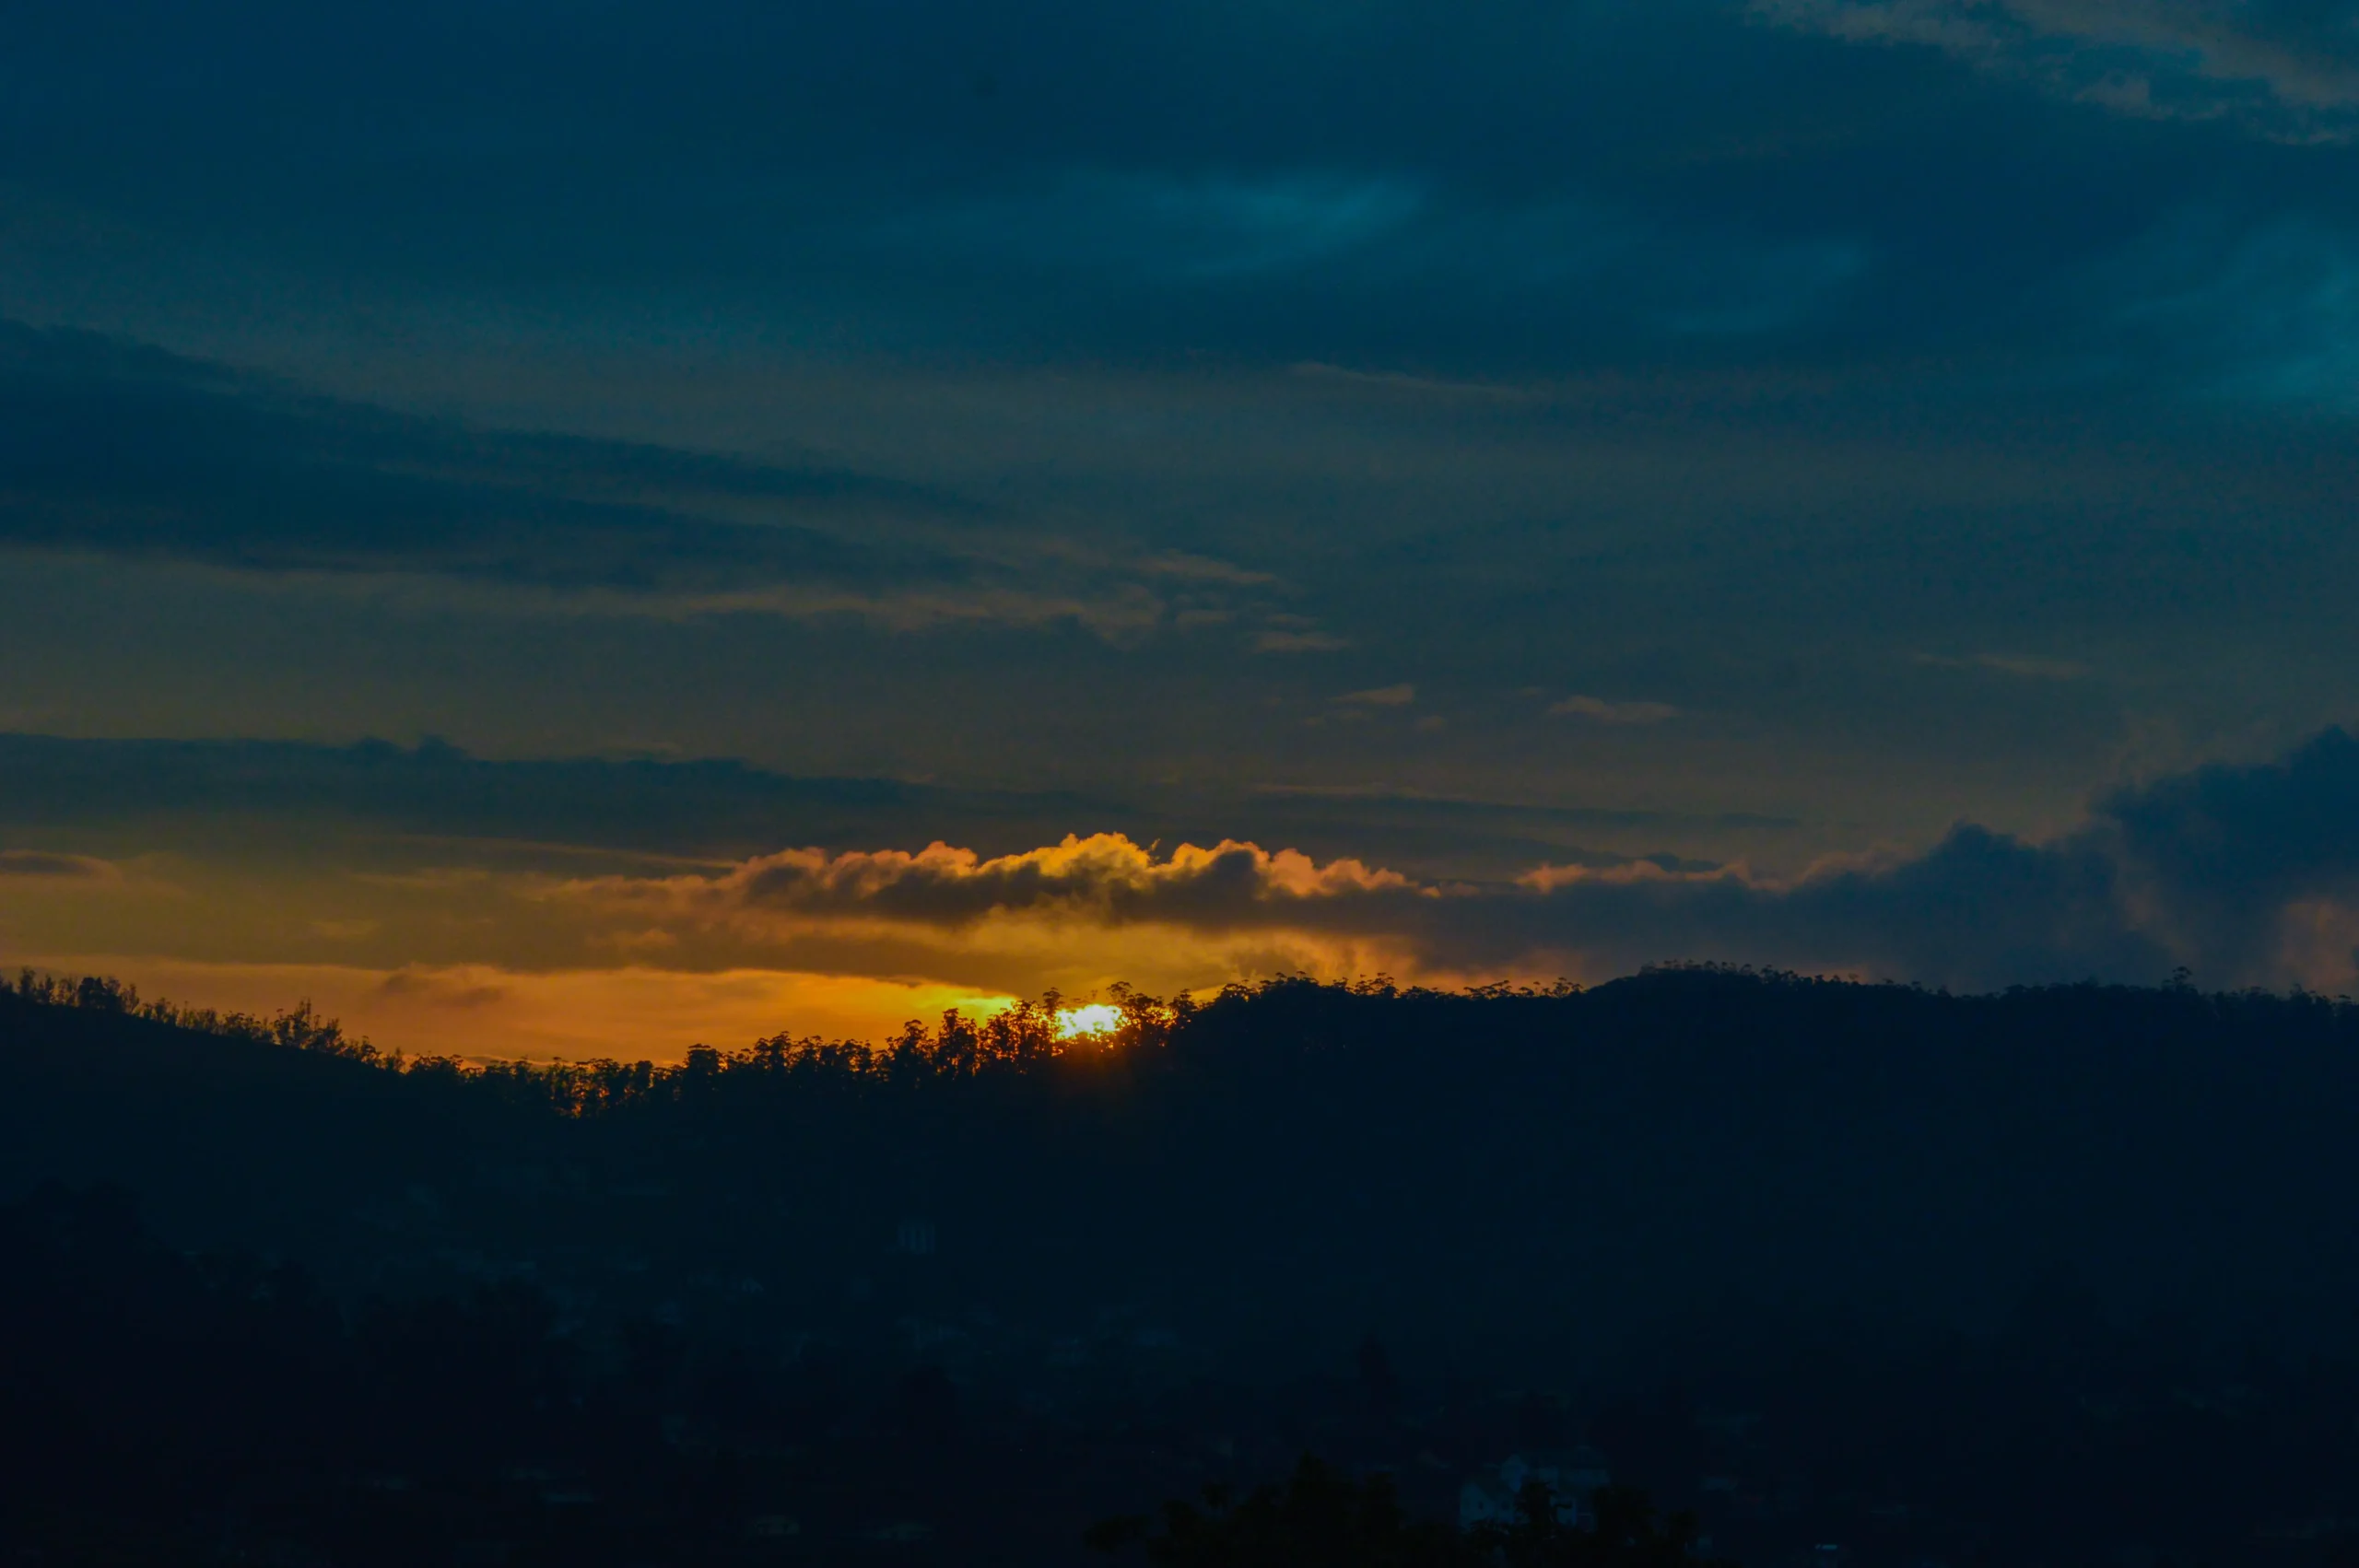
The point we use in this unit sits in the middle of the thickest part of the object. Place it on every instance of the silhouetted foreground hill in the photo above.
(1560, 1169)
(2059, 1275)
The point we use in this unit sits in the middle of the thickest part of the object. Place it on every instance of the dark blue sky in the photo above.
(1464, 439)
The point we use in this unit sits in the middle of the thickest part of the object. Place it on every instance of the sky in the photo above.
(569, 530)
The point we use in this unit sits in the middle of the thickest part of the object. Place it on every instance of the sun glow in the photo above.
(1095, 1022)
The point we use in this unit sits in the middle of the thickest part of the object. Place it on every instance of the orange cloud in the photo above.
(1104, 879)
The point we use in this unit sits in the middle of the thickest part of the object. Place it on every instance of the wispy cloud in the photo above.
(1287, 639)
(2279, 67)
(108, 450)
(1201, 226)
(51, 867)
(2259, 313)
(1186, 568)
(1600, 711)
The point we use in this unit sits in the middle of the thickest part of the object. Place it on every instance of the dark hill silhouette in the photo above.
(2060, 1274)
(240, 1135)
(1567, 1169)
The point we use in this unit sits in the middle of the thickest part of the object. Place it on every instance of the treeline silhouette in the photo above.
(1292, 1155)
(1024, 1039)
(2056, 1274)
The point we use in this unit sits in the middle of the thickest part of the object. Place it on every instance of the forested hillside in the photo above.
(1934, 1274)
(1567, 1167)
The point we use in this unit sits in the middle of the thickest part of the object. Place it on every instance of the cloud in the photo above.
(2222, 853)
(1400, 696)
(2236, 872)
(2284, 68)
(1978, 909)
(1152, 225)
(443, 987)
(1262, 180)
(2263, 312)
(1104, 879)
(111, 448)
(1287, 641)
(1444, 199)
(439, 801)
(1186, 568)
(105, 447)
(41, 864)
(1601, 711)
(2250, 874)
(708, 809)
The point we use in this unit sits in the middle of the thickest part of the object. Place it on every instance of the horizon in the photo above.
(1087, 1024)
(2233, 873)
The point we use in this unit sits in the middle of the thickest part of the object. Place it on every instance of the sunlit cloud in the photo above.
(2204, 867)
(1103, 879)
(1975, 908)
(2247, 874)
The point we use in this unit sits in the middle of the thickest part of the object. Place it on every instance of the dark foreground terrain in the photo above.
(1857, 1274)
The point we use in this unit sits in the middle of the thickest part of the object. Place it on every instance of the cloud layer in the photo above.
(110, 449)
(2247, 874)
(2226, 870)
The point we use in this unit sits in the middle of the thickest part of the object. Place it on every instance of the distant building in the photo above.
(914, 1238)
(1571, 1476)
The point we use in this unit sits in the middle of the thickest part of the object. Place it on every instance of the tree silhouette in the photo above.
(1318, 1519)
(1321, 1518)
(1619, 1530)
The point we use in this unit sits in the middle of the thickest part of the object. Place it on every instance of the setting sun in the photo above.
(1092, 1023)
